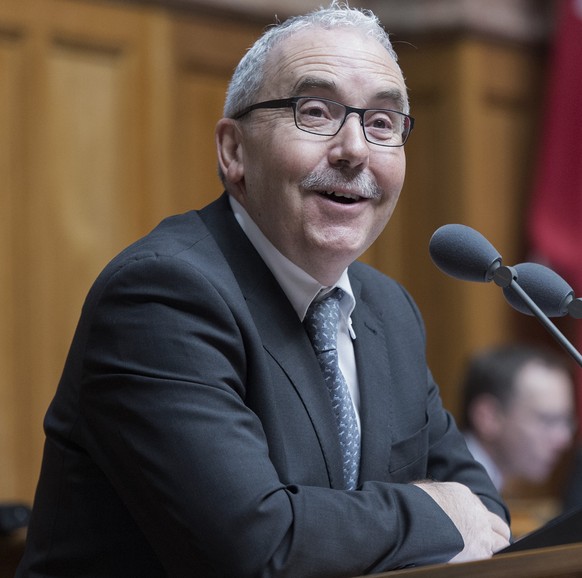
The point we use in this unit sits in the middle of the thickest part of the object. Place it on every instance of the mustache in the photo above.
(361, 183)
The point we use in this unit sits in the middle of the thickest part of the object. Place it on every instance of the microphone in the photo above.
(551, 293)
(464, 253)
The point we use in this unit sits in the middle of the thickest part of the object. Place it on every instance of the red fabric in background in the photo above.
(555, 219)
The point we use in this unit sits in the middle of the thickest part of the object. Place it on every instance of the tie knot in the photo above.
(321, 321)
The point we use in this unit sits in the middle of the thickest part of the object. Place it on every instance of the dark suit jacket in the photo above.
(192, 436)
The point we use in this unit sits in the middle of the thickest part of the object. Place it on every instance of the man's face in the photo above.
(538, 422)
(318, 231)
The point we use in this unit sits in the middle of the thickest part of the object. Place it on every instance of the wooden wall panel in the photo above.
(80, 214)
(206, 51)
(198, 106)
(81, 201)
(12, 187)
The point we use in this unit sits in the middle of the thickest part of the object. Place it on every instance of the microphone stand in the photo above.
(504, 276)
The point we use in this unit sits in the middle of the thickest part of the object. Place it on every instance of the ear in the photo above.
(230, 150)
(487, 416)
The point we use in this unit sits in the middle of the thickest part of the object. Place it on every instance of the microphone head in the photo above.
(546, 288)
(464, 253)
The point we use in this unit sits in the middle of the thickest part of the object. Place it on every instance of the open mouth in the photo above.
(342, 198)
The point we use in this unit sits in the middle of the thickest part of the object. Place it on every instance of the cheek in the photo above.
(531, 442)
(397, 173)
(391, 173)
(281, 161)
(392, 186)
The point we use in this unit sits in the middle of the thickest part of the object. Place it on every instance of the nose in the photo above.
(350, 147)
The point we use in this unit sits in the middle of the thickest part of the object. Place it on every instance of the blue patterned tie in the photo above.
(321, 321)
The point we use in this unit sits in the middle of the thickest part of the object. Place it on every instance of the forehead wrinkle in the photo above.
(302, 62)
(304, 85)
(313, 82)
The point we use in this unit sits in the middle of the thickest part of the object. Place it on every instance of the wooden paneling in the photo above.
(205, 55)
(73, 105)
(108, 112)
(12, 187)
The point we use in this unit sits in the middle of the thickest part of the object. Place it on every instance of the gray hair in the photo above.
(248, 77)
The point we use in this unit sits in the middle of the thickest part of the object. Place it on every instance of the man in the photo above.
(518, 411)
(193, 433)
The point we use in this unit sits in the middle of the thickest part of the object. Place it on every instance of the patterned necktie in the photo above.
(321, 321)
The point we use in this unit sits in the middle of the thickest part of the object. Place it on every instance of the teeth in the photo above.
(345, 195)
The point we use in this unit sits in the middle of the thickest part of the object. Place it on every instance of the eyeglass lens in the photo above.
(325, 117)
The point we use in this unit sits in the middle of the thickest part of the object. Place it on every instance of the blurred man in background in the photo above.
(518, 412)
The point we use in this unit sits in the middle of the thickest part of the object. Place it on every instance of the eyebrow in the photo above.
(394, 95)
(311, 82)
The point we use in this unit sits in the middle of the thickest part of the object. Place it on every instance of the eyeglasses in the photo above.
(387, 128)
(549, 421)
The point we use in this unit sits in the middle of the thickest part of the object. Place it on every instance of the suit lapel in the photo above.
(375, 384)
(286, 341)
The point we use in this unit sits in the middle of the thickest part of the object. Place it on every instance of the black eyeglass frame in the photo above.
(292, 103)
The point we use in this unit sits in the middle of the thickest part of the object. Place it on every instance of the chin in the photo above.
(343, 255)
(335, 243)
(539, 477)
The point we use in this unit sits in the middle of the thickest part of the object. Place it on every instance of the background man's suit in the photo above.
(194, 405)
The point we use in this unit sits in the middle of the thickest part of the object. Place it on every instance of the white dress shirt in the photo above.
(481, 455)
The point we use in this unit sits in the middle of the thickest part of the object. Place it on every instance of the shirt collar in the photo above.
(300, 287)
(483, 457)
